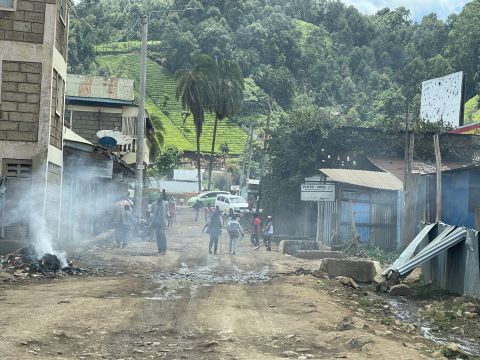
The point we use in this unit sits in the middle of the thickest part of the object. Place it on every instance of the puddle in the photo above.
(407, 312)
(187, 281)
(210, 273)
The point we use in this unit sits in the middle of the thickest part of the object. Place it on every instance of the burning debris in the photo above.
(24, 263)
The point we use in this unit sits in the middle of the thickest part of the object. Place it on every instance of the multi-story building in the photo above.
(33, 69)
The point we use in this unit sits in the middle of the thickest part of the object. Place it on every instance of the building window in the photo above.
(8, 5)
(63, 10)
(60, 93)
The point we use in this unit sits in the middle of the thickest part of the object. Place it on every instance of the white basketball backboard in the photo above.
(442, 99)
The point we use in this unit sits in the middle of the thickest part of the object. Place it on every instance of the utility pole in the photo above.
(139, 167)
(262, 162)
(249, 161)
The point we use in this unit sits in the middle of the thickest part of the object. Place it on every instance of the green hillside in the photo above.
(472, 112)
(161, 101)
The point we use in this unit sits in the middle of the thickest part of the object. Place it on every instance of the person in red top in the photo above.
(257, 225)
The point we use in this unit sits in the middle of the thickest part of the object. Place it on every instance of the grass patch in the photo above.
(384, 257)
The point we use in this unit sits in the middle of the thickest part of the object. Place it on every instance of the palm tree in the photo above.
(195, 90)
(228, 97)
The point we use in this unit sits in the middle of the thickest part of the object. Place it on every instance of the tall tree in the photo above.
(228, 91)
(195, 90)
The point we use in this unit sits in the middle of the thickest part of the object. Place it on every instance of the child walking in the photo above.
(234, 230)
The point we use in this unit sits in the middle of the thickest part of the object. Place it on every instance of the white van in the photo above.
(234, 204)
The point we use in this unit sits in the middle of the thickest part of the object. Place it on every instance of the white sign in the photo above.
(442, 99)
(235, 188)
(318, 192)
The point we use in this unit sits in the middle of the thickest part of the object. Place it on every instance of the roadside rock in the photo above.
(360, 341)
(452, 350)
(400, 290)
(345, 324)
(346, 281)
(290, 354)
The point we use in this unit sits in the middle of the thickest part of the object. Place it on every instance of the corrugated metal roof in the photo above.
(370, 179)
(69, 135)
(100, 87)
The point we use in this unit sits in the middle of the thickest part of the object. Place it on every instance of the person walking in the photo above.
(159, 223)
(122, 217)
(196, 209)
(234, 230)
(255, 237)
(215, 230)
(268, 234)
(208, 218)
(172, 212)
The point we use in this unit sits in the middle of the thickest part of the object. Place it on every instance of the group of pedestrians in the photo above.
(215, 222)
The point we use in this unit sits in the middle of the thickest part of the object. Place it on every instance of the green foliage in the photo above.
(342, 59)
(384, 257)
(472, 111)
(161, 101)
(166, 162)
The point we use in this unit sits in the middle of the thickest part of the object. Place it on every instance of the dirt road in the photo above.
(189, 304)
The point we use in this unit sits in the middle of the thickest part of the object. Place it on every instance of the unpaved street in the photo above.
(188, 304)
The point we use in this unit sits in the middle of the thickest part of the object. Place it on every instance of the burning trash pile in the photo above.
(24, 263)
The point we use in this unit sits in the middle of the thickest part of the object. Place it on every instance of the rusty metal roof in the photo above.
(100, 87)
(370, 179)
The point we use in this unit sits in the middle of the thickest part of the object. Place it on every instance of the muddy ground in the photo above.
(188, 304)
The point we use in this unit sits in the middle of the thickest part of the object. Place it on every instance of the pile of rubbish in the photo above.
(24, 263)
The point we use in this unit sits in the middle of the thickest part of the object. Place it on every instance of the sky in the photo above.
(418, 8)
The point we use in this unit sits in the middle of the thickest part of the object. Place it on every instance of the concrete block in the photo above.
(8, 105)
(40, 7)
(25, 5)
(3, 135)
(10, 65)
(319, 254)
(14, 76)
(35, 17)
(2, 34)
(14, 35)
(6, 24)
(37, 28)
(13, 96)
(21, 136)
(31, 127)
(23, 117)
(15, 15)
(33, 38)
(33, 98)
(29, 88)
(28, 108)
(359, 270)
(24, 26)
(9, 86)
(34, 78)
(8, 125)
(31, 67)
(292, 246)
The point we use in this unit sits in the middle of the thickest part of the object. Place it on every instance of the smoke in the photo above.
(54, 217)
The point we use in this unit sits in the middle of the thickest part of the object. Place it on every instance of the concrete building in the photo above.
(95, 103)
(33, 69)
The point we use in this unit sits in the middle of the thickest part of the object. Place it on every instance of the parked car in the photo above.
(233, 203)
(206, 198)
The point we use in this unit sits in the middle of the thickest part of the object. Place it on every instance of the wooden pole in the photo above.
(438, 168)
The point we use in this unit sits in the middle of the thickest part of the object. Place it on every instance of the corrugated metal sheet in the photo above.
(100, 87)
(369, 179)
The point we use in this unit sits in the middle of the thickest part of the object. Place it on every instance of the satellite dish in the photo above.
(107, 141)
(119, 137)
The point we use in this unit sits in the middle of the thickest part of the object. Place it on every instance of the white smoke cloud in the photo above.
(418, 8)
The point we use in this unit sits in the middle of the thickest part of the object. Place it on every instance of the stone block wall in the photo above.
(87, 123)
(26, 24)
(20, 100)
